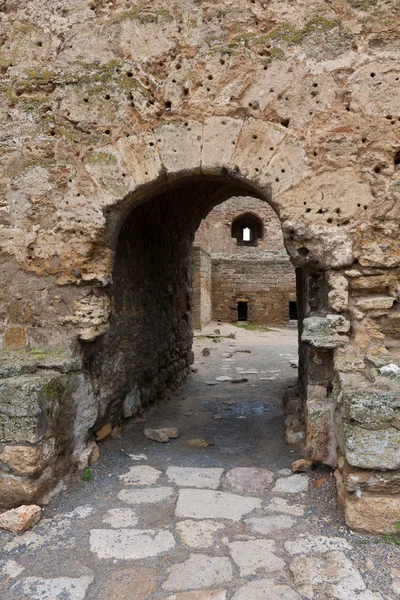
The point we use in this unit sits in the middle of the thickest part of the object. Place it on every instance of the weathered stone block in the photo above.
(373, 409)
(179, 146)
(28, 460)
(375, 303)
(14, 338)
(373, 513)
(370, 449)
(325, 332)
(219, 141)
(320, 415)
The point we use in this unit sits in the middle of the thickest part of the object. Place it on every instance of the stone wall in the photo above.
(105, 108)
(266, 285)
(202, 292)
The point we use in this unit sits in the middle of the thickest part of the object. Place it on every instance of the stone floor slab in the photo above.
(315, 544)
(121, 518)
(192, 477)
(207, 504)
(266, 525)
(333, 575)
(282, 506)
(141, 475)
(201, 595)
(249, 480)
(292, 485)
(198, 534)
(127, 584)
(130, 544)
(146, 496)
(60, 588)
(199, 571)
(256, 556)
(265, 589)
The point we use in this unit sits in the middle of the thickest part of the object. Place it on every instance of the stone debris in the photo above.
(62, 588)
(198, 534)
(265, 589)
(120, 518)
(207, 504)
(320, 544)
(302, 465)
(333, 574)
(137, 457)
(223, 378)
(146, 496)
(280, 505)
(391, 370)
(192, 477)
(199, 571)
(103, 432)
(20, 519)
(294, 484)
(200, 595)
(206, 352)
(197, 443)
(130, 544)
(267, 525)
(141, 475)
(256, 556)
(129, 584)
(161, 435)
(249, 480)
(11, 569)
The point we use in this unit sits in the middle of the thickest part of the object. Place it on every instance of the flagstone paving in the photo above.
(226, 522)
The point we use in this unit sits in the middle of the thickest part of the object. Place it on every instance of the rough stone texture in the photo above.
(250, 481)
(267, 525)
(132, 544)
(70, 588)
(373, 512)
(203, 595)
(141, 475)
(122, 585)
(198, 534)
(123, 128)
(20, 519)
(192, 477)
(205, 504)
(199, 571)
(293, 484)
(255, 557)
(144, 495)
(261, 589)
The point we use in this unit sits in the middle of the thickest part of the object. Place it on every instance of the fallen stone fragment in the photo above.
(223, 378)
(130, 544)
(162, 435)
(141, 475)
(292, 485)
(302, 465)
(333, 575)
(280, 505)
(207, 504)
(20, 519)
(395, 575)
(239, 380)
(267, 525)
(249, 479)
(127, 584)
(320, 544)
(197, 443)
(103, 432)
(265, 589)
(65, 588)
(195, 477)
(146, 495)
(199, 571)
(200, 595)
(121, 518)
(198, 534)
(255, 556)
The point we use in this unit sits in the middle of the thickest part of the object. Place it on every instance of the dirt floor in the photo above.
(227, 520)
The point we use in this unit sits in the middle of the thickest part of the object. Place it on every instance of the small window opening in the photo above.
(246, 234)
(242, 311)
(293, 311)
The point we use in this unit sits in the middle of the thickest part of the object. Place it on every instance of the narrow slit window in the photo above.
(293, 311)
(246, 234)
(242, 311)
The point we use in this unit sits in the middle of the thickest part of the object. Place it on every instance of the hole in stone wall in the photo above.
(397, 159)
(303, 251)
(293, 311)
(285, 122)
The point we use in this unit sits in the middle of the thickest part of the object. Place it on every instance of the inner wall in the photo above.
(146, 352)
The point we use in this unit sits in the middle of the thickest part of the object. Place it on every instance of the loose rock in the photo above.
(20, 519)
(302, 465)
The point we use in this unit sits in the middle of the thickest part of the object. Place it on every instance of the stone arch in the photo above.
(317, 210)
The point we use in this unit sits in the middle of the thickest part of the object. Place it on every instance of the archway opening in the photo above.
(147, 353)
